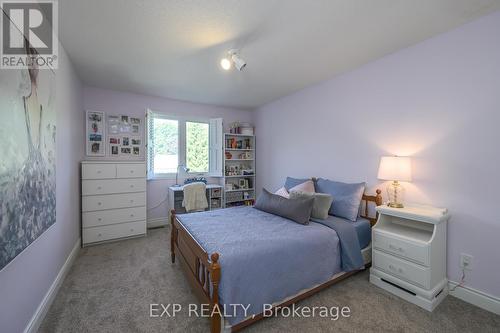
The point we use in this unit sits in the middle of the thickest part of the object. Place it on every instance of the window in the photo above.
(174, 141)
(197, 146)
(166, 145)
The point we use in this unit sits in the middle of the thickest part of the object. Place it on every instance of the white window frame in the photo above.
(182, 147)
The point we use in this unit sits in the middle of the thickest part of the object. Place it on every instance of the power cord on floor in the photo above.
(159, 204)
(462, 281)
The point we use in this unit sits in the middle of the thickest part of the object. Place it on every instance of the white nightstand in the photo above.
(409, 253)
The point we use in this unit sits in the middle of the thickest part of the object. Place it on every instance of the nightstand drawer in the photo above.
(404, 270)
(402, 248)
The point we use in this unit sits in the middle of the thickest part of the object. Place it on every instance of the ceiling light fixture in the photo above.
(235, 59)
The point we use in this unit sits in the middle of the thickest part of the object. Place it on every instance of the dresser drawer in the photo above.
(113, 216)
(110, 186)
(130, 170)
(112, 201)
(98, 171)
(402, 248)
(404, 270)
(99, 234)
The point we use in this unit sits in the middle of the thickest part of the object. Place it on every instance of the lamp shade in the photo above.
(395, 168)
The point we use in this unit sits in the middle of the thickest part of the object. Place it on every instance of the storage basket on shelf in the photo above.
(234, 196)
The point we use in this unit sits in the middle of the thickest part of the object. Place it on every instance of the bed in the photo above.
(245, 256)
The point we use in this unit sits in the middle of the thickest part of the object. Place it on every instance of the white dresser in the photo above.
(113, 200)
(409, 253)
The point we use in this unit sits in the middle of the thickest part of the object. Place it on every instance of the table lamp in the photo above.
(184, 168)
(395, 168)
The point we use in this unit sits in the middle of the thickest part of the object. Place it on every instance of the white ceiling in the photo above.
(172, 48)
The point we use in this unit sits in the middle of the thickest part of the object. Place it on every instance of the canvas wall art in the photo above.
(28, 158)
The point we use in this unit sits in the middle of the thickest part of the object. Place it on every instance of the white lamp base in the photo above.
(396, 193)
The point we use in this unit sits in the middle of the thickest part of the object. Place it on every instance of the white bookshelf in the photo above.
(242, 158)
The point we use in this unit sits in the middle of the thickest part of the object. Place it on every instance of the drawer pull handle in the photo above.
(392, 247)
(99, 234)
(99, 219)
(392, 268)
(131, 215)
(99, 171)
(99, 203)
(131, 186)
(131, 201)
(131, 171)
(132, 230)
(98, 187)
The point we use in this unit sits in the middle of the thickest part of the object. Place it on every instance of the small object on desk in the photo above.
(409, 253)
(195, 180)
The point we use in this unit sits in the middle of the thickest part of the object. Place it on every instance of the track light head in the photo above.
(239, 63)
(233, 59)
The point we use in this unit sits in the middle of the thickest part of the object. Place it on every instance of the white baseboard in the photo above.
(476, 297)
(157, 222)
(44, 306)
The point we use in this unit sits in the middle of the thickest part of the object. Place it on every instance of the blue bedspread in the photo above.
(264, 258)
(350, 246)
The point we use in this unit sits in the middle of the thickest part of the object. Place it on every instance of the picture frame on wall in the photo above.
(95, 133)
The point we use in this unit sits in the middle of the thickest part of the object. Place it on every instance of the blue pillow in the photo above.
(346, 197)
(292, 182)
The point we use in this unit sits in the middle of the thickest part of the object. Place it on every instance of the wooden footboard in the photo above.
(202, 273)
(203, 270)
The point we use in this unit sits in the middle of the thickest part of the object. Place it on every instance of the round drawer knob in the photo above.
(99, 219)
(131, 201)
(99, 203)
(98, 171)
(99, 234)
(131, 186)
(131, 171)
(99, 187)
(131, 215)
(132, 229)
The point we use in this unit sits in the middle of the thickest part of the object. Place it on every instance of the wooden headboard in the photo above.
(375, 199)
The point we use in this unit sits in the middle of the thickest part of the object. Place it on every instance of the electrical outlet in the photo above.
(466, 261)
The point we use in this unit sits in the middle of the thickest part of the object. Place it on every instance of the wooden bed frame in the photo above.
(203, 271)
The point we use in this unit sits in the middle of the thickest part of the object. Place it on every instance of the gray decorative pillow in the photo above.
(321, 205)
(297, 210)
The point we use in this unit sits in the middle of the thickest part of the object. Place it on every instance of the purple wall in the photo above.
(25, 281)
(438, 101)
(115, 102)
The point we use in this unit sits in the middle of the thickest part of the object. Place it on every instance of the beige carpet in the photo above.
(110, 288)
